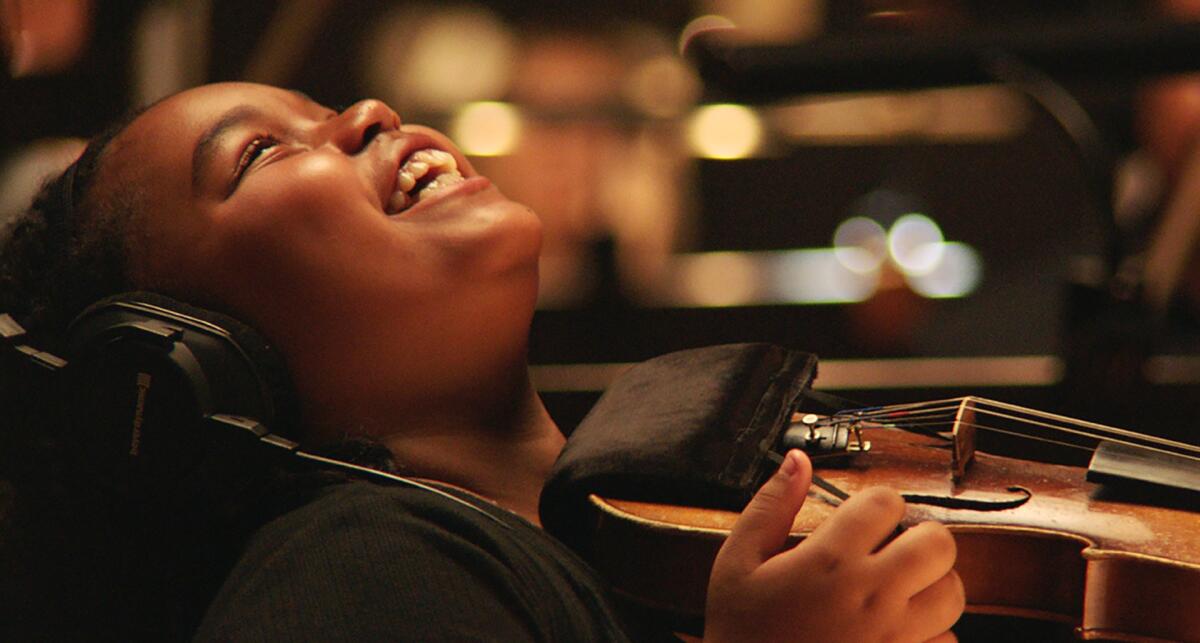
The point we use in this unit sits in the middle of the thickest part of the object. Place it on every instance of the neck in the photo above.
(504, 456)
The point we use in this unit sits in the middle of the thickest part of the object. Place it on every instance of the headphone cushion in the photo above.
(147, 373)
(267, 362)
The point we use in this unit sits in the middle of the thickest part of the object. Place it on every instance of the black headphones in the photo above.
(173, 400)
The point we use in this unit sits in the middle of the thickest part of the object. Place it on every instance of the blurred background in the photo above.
(938, 197)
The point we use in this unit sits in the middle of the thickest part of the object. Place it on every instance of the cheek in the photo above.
(306, 200)
(307, 189)
(295, 222)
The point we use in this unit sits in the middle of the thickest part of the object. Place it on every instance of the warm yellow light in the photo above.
(725, 131)
(423, 58)
(486, 128)
(959, 114)
(719, 279)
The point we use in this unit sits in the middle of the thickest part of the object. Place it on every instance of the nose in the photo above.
(355, 127)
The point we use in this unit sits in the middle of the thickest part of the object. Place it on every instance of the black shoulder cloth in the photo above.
(692, 428)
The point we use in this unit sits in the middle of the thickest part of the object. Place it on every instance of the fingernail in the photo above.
(790, 462)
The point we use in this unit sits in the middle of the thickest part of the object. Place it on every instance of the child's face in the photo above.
(262, 202)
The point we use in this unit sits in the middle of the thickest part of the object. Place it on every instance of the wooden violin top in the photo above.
(1073, 553)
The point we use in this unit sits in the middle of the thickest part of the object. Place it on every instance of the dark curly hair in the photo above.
(68, 249)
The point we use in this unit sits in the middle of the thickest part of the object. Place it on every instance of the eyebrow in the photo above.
(206, 146)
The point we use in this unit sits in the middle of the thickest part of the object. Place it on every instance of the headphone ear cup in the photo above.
(147, 375)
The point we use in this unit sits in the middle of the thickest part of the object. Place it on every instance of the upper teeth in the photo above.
(437, 164)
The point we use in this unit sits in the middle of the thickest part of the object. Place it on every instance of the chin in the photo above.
(509, 238)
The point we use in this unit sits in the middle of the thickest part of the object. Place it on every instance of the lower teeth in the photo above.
(444, 180)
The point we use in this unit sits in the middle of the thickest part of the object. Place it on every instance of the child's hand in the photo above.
(833, 586)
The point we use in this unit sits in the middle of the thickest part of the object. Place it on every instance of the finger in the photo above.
(937, 607)
(762, 529)
(861, 523)
(918, 557)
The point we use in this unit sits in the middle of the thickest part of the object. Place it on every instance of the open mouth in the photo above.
(423, 174)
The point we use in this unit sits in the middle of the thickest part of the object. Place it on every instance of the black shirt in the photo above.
(365, 562)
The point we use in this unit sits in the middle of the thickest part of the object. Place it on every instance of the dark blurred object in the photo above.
(79, 99)
(1106, 344)
(1147, 305)
(43, 36)
(1104, 49)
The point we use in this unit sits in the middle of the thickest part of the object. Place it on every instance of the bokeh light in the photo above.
(436, 59)
(818, 276)
(916, 244)
(860, 244)
(725, 131)
(957, 274)
(486, 128)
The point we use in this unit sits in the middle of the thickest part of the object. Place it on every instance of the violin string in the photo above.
(907, 419)
(875, 413)
(910, 405)
(936, 428)
(909, 408)
(893, 417)
(916, 421)
(984, 427)
(887, 418)
(1149, 443)
(934, 411)
(930, 414)
(925, 420)
(992, 429)
(1085, 441)
(1132, 436)
(921, 426)
(934, 408)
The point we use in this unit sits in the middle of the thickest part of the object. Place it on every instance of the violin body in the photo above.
(1073, 553)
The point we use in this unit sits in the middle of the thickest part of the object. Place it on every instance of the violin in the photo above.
(1052, 542)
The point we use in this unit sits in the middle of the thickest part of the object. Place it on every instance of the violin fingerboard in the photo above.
(1119, 464)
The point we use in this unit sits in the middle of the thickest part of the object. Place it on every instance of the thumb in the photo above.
(762, 529)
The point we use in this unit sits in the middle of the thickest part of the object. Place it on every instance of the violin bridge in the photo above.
(964, 438)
